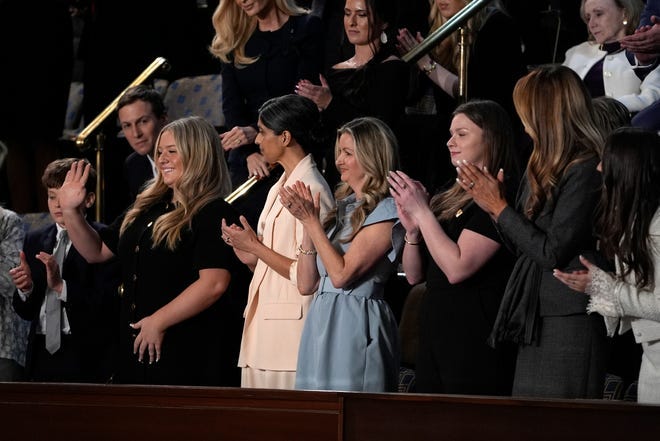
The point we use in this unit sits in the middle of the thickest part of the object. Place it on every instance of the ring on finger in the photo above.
(471, 185)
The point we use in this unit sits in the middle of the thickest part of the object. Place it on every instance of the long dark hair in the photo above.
(630, 199)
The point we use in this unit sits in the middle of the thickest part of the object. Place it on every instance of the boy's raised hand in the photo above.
(73, 192)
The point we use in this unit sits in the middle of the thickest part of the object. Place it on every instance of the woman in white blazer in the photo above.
(604, 66)
(629, 228)
(275, 311)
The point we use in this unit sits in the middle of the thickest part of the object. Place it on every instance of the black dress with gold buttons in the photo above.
(202, 350)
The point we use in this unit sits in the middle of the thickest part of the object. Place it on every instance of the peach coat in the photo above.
(276, 311)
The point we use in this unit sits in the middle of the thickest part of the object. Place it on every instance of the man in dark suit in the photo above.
(645, 43)
(142, 115)
(74, 311)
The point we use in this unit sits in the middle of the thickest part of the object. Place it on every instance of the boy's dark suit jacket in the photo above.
(91, 305)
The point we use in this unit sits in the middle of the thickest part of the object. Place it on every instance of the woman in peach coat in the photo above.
(275, 311)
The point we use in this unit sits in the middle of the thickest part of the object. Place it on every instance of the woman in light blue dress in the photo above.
(350, 340)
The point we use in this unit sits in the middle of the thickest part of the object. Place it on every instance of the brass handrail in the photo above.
(245, 187)
(82, 138)
(445, 30)
(462, 65)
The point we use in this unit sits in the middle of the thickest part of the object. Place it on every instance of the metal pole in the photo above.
(100, 178)
(462, 66)
(82, 138)
(445, 30)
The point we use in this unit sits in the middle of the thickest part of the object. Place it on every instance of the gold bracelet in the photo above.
(306, 252)
(430, 67)
(405, 239)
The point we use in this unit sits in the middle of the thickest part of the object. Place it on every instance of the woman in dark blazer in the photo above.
(562, 350)
(265, 48)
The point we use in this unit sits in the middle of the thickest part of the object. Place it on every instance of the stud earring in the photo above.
(625, 22)
(383, 37)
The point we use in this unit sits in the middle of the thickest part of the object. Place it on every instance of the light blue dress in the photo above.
(350, 340)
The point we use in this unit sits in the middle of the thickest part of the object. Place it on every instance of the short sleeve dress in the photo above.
(350, 340)
(456, 320)
(202, 350)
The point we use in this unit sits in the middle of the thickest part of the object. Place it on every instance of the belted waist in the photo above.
(369, 288)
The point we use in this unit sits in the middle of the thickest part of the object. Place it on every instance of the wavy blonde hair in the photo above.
(446, 53)
(233, 28)
(557, 113)
(205, 178)
(377, 151)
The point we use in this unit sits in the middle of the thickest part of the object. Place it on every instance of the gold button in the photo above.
(137, 248)
(132, 306)
(134, 277)
(120, 290)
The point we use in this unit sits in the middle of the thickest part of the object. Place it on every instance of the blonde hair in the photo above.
(446, 53)
(205, 178)
(557, 113)
(377, 151)
(233, 28)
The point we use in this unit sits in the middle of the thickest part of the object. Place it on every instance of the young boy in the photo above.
(72, 304)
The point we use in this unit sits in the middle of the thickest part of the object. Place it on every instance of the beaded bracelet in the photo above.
(306, 252)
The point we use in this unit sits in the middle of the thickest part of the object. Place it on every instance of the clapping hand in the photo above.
(411, 199)
(22, 275)
(242, 237)
(406, 41)
(321, 95)
(53, 275)
(486, 190)
(577, 280)
(299, 201)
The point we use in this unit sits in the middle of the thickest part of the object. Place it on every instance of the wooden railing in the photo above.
(31, 411)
